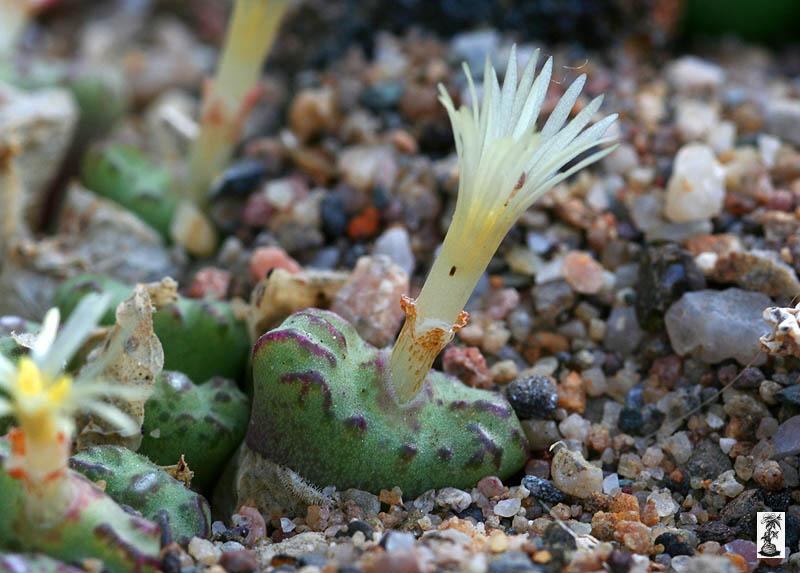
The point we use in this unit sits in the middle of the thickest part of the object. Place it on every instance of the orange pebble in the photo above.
(365, 224)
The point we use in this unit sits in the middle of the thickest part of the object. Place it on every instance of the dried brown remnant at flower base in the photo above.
(426, 347)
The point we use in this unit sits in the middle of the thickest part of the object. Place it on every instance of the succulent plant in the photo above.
(44, 506)
(323, 407)
(94, 526)
(201, 338)
(135, 481)
(204, 423)
(123, 174)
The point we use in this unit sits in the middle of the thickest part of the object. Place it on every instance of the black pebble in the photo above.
(533, 397)
(358, 525)
(674, 544)
(619, 561)
(542, 489)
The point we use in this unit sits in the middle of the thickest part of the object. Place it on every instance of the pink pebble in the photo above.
(491, 486)
(210, 282)
(257, 526)
(264, 259)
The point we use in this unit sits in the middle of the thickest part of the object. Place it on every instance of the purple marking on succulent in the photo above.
(335, 333)
(500, 410)
(299, 338)
(358, 422)
(137, 558)
(444, 454)
(86, 467)
(222, 396)
(408, 451)
(307, 379)
(488, 446)
(459, 405)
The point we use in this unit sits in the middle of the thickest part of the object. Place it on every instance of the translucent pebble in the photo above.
(610, 483)
(507, 507)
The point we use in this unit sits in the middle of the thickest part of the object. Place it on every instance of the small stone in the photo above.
(768, 474)
(391, 497)
(695, 119)
(468, 365)
(574, 427)
(757, 270)
(634, 536)
(696, 190)
(454, 499)
(786, 439)
(370, 299)
(542, 489)
(610, 484)
(571, 394)
(239, 561)
(541, 434)
(491, 486)
(726, 444)
(312, 111)
(727, 485)
(582, 272)
(707, 461)
(533, 397)
(630, 465)
(575, 476)
(674, 544)
(623, 334)
(783, 119)
(367, 167)
(204, 551)
(507, 507)
(679, 446)
(718, 324)
(210, 283)
(396, 244)
(665, 273)
(690, 73)
(264, 259)
(397, 541)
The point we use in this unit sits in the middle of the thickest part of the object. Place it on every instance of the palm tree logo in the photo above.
(772, 527)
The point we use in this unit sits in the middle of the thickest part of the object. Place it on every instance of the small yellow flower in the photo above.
(44, 400)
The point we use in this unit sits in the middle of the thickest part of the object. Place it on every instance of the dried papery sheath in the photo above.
(505, 165)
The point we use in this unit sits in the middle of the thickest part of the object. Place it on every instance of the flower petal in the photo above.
(45, 338)
(75, 332)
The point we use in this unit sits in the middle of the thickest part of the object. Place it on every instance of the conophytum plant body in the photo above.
(505, 165)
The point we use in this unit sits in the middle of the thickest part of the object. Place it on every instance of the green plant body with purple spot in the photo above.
(135, 481)
(205, 423)
(324, 408)
(93, 527)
